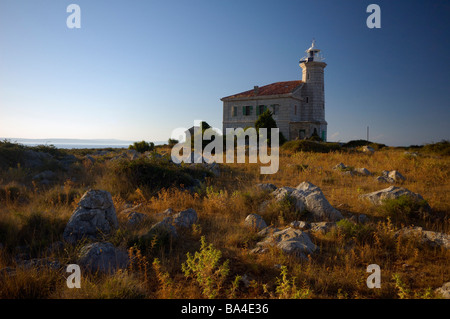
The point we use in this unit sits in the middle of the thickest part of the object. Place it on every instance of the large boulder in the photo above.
(310, 197)
(94, 217)
(290, 240)
(315, 202)
(102, 257)
(392, 192)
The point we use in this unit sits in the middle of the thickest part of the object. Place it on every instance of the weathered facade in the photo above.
(298, 107)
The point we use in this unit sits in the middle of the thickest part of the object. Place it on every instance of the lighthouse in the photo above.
(314, 91)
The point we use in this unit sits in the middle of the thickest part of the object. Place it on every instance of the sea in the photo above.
(75, 143)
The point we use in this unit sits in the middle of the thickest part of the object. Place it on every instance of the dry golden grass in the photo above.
(409, 268)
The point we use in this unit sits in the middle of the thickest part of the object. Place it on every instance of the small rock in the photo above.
(412, 154)
(362, 171)
(45, 175)
(396, 176)
(267, 187)
(368, 149)
(267, 231)
(185, 218)
(444, 291)
(282, 192)
(434, 239)
(392, 192)
(340, 166)
(102, 257)
(135, 218)
(39, 263)
(163, 228)
(245, 280)
(168, 212)
(323, 227)
(255, 221)
(291, 241)
(383, 179)
(300, 225)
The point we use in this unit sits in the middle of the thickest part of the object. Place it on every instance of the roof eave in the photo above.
(258, 97)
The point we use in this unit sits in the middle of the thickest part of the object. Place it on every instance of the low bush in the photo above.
(142, 146)
(153, 175)
(358, 231)
(440, 148)
(359, 143)
(310, 146)
(404, 209)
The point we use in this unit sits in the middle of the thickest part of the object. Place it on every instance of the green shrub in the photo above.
(153, 174)
(205, 269)
(287, 289)
(265, 120)
(172, 142)
(404, 208)
(142, 146)
(10, 153)
(358, 231)
(359, 143)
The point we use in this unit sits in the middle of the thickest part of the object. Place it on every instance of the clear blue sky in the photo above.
(139, 69)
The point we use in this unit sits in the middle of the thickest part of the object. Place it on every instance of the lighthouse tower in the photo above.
(313, 91)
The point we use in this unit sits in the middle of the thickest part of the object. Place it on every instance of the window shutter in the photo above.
(251, 110)
(257, 110)
(243, 110)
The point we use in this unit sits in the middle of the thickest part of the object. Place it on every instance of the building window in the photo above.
(307, 99)
(247, 110)
(261, 109)
(234, 111)
(295, 110)
(274, 108)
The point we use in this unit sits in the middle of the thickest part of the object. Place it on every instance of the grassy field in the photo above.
(33, 214)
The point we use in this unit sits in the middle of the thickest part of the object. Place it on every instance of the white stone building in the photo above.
(298, 107)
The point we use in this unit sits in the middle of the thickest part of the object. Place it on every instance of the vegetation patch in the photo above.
(311, 146)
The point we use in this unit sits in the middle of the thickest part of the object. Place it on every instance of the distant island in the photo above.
(75, 143)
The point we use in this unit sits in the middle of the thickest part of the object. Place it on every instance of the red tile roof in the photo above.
(270, 89)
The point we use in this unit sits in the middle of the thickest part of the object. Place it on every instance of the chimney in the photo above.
(256, 90)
